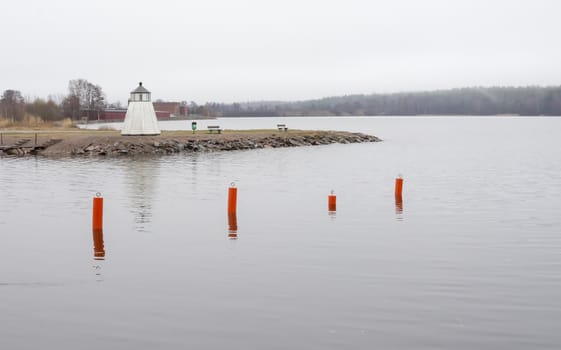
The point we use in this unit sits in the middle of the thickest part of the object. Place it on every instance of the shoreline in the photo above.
(109, 143)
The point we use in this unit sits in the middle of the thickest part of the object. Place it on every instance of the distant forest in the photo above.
(527, 101)
(86, 98)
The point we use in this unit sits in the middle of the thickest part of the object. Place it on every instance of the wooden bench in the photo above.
(282, 127)
(212, 128)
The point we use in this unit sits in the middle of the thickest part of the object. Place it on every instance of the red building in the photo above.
(118, 115)
(175, 109)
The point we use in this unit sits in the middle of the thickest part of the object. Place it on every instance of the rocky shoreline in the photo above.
(103, 144)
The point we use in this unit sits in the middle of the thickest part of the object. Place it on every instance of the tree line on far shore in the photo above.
(82, 96)
(87, 98)
(83, 100)
(527, 101)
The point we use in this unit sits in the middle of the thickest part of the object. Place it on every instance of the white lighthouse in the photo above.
(141, 117)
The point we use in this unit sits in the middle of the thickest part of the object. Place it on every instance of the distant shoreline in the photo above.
(112, 121)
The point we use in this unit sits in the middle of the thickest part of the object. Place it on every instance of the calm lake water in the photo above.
(471, 259)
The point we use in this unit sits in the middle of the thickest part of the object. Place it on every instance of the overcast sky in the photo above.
(247, 50)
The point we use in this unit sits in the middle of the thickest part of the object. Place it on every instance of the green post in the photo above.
(194, 126)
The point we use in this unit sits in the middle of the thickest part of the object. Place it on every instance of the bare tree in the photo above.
(46, 110)
(12, 105)
(71, 107)
(83, 96)
(115, 105)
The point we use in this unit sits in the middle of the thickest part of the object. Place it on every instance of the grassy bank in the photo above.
(30, 122)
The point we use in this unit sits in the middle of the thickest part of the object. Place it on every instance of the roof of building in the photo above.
(140, 89)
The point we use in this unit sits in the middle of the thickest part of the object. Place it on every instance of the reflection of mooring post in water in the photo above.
(99, 248)
(232, 226)
(398, 205)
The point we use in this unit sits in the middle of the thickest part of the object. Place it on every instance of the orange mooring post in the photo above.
(332, 202)
(232, 198)
(97, 222)
(398, 186)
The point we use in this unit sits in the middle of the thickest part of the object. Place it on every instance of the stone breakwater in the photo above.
(169, 143)
(176, 145)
